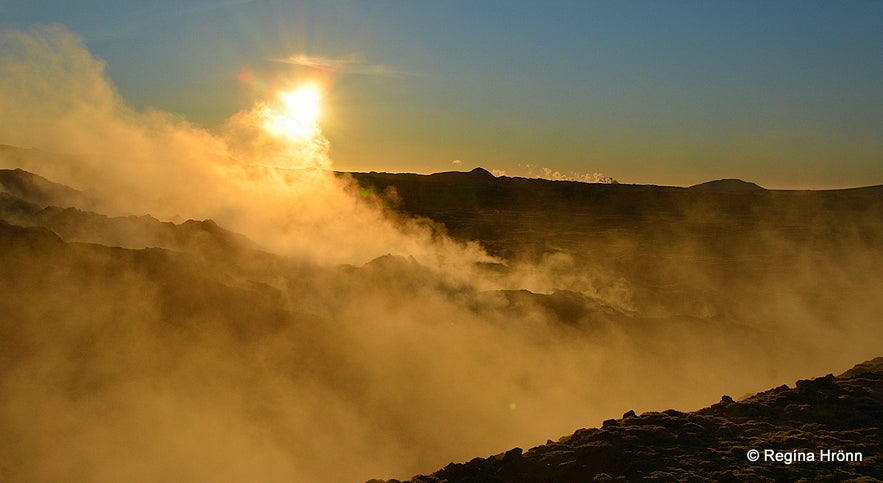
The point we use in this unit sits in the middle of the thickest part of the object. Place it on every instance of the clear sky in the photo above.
(782, 93)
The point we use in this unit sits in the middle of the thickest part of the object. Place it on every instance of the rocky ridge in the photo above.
(840, 414)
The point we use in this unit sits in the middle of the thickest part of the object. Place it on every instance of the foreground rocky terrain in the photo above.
(823, 429)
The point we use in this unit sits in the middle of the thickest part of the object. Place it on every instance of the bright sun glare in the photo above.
(297, 114)
(302, 104)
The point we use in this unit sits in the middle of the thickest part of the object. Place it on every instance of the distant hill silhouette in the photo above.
(727, 185)
(476, 175)
(729, 231)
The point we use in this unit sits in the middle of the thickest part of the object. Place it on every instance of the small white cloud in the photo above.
(351, 64)
(456, 162)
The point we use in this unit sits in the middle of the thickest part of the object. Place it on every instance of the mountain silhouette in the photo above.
(726, 185)
(37, 189)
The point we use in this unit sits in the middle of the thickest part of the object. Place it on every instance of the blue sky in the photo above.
(781, 93)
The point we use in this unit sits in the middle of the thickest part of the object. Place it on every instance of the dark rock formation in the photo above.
(713, 444)
(37, 189)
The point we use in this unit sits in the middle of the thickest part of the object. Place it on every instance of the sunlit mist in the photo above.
(180, 303)
(281, 130)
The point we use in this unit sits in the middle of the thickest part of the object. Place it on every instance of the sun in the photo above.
(296, 114)
(302, 103)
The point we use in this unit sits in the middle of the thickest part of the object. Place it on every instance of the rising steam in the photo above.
(343, 363)
(266, 175)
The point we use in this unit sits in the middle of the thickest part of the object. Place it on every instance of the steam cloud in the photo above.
(555, 175)
(384, 368)
(276, 190)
